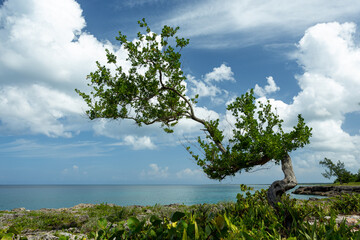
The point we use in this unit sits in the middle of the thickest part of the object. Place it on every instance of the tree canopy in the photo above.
(153, 91)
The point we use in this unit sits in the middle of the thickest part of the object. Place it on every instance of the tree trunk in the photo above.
(278, 188)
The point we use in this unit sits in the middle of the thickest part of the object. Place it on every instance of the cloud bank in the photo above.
(44, 56)
(329, 55)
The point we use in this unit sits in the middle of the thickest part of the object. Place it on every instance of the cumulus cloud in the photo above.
(269, 88)
(38, 109)
(155, 172)
(128, 138)
(222, 73)
(44, 56)
(137, 143)
(330, 86)
(242, 23)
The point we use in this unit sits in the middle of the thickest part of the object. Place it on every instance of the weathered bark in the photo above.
(278, 188)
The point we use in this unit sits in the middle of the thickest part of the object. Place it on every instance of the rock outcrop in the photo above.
(327, 191)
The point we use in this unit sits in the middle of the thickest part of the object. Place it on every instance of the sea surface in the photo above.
(59, 196)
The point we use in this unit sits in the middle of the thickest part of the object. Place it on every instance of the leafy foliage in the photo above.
(338, 170)
(258, 137)
(151, 91)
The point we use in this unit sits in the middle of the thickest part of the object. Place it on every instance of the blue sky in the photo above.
(303, 56)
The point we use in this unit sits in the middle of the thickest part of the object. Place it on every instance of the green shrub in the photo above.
(347, 203)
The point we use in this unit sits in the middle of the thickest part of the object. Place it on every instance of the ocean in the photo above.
(35, 197)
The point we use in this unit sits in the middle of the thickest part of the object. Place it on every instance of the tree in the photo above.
(152, 91)
(338, 170)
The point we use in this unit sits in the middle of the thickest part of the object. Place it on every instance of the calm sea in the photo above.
(58, 196)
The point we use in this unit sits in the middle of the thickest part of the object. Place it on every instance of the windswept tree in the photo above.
(338, 170)
(153, 91)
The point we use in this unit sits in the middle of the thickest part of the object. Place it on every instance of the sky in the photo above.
(301, 55)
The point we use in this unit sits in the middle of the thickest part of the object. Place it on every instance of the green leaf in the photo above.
(13, 230)
(197, 236)
(176, 216)
(208, 230)
(155, 221)
(220, 222)
(132, 223)
(8, 236)
(184, 237)
(152, 233)
(102, 223)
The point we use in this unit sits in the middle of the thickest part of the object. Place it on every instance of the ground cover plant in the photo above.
(250, 217)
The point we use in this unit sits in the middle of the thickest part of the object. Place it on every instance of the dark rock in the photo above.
(328, 191)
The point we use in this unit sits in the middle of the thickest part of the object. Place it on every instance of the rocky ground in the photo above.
(7, 217)
(328, 191)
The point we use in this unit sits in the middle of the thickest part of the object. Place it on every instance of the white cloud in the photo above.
(269, 88)
(330, 87)
(201, 88)
(44, 56)
(155, 172)
(190, 173)
(137, 143)
(222, 73)
(38, 109)
(243, 22)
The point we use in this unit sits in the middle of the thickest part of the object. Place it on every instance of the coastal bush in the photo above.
(251, 217)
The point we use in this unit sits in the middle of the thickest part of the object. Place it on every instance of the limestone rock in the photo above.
(328, 191)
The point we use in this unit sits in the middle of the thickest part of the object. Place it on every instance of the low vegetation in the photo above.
(250, 217)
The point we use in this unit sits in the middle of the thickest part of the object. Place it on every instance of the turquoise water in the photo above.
(58, 196)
